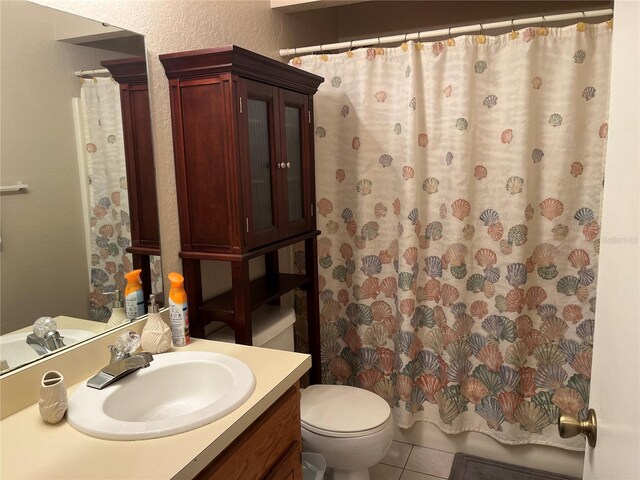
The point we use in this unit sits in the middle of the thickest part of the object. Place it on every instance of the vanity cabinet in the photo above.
(270, 449)
(131, 75)
(243, 147)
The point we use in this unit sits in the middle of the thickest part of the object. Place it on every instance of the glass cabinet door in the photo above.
(261, 222)
(258, 114)
(295, 191)
(293, 142)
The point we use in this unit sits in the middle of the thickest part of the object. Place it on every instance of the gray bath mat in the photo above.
(468, 467)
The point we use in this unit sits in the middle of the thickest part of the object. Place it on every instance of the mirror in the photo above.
(78, 205)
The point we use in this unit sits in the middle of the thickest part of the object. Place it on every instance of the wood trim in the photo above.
(236, 60)
(193, 287)
(143, 251)
(313, 308)
(243, 257)
(262, 447)
(241, 296)
(132, 71)
(142, 262)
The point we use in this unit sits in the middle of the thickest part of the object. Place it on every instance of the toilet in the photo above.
(350, 427)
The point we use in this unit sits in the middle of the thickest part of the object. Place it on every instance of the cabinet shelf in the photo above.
(263, 290)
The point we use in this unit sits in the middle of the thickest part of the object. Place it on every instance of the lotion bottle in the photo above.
(133, 295)
(118, 314)
(156, 335)
(178, 311)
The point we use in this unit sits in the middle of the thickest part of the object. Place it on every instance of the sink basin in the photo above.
(178, 392)
(15, 351)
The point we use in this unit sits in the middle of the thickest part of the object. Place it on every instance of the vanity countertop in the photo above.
(31, 448)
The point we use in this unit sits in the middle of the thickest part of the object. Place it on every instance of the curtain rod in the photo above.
(284, 52)
(85, 73)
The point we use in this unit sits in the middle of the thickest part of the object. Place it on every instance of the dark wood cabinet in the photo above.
(270, 449)
(131, 75)
(243, 145)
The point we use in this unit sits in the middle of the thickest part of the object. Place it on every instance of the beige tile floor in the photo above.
(411, 462)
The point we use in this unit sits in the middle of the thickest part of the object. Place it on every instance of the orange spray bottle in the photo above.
(178, 311)
(133, 295)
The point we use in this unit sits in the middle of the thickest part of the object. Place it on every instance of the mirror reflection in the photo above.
(79, 228)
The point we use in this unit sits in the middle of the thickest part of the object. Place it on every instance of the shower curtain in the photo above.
(108, 200)
(459, 185)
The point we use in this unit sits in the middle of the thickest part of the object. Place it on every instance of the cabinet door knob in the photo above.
(283, 165)
(288, 164)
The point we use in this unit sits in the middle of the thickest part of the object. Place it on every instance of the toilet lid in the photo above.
(339, 409)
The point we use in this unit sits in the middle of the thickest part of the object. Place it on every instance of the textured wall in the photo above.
(44, 261)
(179, 25)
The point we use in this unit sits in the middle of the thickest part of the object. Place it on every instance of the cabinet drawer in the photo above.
(269, 448)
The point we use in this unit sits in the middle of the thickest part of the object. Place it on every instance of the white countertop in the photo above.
(30, 448)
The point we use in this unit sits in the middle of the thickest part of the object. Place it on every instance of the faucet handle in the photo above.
(44, 325)
(126, 344)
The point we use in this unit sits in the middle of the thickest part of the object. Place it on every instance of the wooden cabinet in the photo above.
(269, 449)
(131, 75)
(243, 145)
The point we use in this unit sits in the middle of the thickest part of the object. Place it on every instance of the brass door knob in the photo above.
(569, 426)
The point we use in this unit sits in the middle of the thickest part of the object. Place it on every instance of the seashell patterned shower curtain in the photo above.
(108, 200)
(459, 186)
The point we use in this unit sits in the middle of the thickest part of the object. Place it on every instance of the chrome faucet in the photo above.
(45, 337)
(122, 362)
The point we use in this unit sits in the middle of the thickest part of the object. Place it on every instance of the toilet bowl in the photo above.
(351, 427)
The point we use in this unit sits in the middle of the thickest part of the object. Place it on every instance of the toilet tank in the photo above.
(272, 327)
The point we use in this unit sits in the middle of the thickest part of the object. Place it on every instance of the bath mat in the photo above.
(468, 467)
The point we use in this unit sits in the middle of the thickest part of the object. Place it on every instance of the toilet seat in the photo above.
(341, 411)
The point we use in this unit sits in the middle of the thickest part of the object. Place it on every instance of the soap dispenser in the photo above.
(118, 313)
(156, 335)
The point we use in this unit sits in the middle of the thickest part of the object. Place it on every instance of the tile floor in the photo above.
(411, 462)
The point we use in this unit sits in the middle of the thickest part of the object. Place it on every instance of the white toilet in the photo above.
(351, 427)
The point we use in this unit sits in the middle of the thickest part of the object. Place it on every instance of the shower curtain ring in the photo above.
(481, 38)
(513, 35)
(451, 42)
(581, 26)
(543, 20)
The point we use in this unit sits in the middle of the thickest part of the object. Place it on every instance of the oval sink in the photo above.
(15, 350)
(178, 392)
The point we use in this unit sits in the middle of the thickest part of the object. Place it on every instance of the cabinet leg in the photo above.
(242, 302)
(272, 269)
(313, 307)
(142, 262)
(193, 287)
